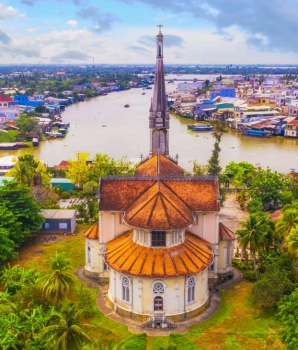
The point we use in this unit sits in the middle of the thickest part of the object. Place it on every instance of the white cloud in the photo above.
(72, 22)
(7, 12)
(33, 30)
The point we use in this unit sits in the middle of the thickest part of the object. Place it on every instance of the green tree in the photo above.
(254, 235)
(199, 169)
(26, 125)
(57, 282)
(286, 222)
(288, 316)
(241, 173)
(214, 167)
(267, 186)
(20, 202)
(66, 329)
(90, 188)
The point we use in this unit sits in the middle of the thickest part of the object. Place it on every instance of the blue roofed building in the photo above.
(25, 101)
(223, 92)
(65, 184)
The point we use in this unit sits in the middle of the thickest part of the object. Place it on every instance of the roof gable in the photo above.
(159, 165)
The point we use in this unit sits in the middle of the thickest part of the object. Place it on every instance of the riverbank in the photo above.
(103, 125)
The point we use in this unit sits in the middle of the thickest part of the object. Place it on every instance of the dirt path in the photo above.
(231, 214)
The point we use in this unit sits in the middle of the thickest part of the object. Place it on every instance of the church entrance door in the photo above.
(158, 304)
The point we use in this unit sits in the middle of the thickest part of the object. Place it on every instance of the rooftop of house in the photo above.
(58, 213)
(92, 232)
(190, 257)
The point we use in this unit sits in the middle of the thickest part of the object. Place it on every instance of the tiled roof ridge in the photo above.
(170, 189)
(151, 212)
(160, 177)
(173, 205)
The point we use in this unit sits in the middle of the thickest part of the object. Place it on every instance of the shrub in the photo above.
(239, 264)
(250, 275)
(65, 195)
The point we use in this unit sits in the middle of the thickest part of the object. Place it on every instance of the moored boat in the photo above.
(126, 105)
(200, 127)
(255, 133)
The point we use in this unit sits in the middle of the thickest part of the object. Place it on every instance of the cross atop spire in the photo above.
(160, 26)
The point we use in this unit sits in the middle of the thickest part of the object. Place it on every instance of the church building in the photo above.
(158, 241)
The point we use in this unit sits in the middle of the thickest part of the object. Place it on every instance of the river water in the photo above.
(103, 125)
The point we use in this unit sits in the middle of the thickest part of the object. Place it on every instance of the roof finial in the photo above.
(160, 26)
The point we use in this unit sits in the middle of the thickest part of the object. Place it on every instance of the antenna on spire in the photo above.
(160, 26)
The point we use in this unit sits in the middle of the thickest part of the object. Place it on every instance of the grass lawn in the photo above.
(238, 324)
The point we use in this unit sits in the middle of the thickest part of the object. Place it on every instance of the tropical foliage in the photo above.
(19, 217)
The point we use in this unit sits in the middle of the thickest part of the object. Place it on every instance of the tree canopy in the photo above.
(19, 215)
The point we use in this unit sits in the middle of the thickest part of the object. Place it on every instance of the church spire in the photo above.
(159, 118)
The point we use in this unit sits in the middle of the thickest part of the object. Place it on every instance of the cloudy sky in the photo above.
(123, 31)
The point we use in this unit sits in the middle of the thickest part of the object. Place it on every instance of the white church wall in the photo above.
(110, 226)
(92, 266)
(175, 293)
(206, 227)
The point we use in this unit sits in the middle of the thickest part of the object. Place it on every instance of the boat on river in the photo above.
(255, 133)
(200, 127)
(126, 105)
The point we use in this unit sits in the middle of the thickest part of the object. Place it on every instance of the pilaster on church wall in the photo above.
(110, 226)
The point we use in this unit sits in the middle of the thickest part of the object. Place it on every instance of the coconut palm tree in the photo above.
(253, 235)
(287, 221)
(66, 330)
(292, 245)
(57, 282)
(22, 173)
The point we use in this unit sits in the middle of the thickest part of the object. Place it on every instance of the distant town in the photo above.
(32, 99)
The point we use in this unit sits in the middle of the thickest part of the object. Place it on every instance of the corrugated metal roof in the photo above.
(60, 180)
(58, 213)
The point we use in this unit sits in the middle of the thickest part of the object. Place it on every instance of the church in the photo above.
(158, 242)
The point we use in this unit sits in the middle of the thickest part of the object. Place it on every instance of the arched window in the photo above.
(125, 289)
(191, 286)
(158, 288)
(88, 254)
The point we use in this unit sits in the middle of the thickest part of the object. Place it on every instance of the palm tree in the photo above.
(292, 245)
(22, 173)
(287, 221)
(66, 330)
(58, 281)
(253, 235)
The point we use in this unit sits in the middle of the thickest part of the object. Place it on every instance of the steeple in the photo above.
(159, 118)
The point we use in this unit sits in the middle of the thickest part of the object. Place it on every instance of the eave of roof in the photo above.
(225, 234)
(92, 232)
(190, 257)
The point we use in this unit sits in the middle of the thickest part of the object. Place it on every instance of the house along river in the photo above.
(103, 125)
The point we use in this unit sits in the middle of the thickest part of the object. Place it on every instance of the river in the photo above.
(103, 125)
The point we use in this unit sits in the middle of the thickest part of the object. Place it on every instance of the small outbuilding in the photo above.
(58, 220)
(65, 184)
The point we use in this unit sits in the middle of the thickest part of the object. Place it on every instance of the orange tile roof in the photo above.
(125, 256)
(92, 232)
(159, 165)
(225, 234)
(159, 208)
(119, 194)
